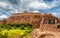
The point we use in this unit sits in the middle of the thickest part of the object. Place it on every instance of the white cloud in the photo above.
(29, 5)
(56, 14)
(54, 4)
(9, 7)
(36, 11)
(42, 5)
(3, 16)
(3, 4)
(37, 5)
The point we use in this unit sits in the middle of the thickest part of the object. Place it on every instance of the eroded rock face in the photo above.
(47, 36)
(44, 34)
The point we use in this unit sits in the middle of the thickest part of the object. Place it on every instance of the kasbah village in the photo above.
(43, 25)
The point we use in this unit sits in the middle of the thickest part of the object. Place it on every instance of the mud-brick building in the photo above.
(49, 23)
(50, 19)
(33, 18)
(25, 17)
(38, 20)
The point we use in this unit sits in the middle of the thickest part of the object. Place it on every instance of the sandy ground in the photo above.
(44, 34)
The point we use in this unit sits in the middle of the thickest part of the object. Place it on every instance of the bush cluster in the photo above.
(16, 26)
(19, 30)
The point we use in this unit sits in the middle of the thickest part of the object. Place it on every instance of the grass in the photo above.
(16, 32)
(7, 31)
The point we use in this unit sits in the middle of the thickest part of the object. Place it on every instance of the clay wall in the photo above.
(50, 27)
(59, 20)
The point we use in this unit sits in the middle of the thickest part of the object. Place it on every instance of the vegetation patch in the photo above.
(15, 30)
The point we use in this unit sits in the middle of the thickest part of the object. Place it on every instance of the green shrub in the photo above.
(58, 25)
(21, 30)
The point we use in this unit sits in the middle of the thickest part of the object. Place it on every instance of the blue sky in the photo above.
(8, 7)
